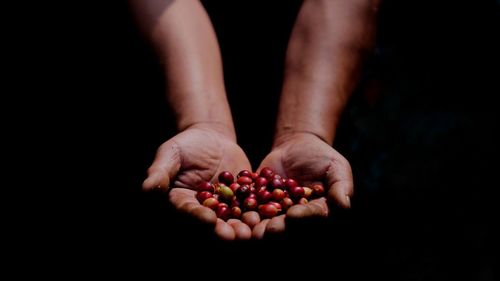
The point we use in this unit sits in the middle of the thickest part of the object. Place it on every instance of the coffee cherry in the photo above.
(206, 186)
(226, 178)
(202, 196)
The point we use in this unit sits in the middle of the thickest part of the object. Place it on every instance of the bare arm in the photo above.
(184, 39)
(324, 56)
(182, 34)
(326, 48)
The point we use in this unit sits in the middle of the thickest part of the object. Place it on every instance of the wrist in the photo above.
(282, 137)
(221, 128)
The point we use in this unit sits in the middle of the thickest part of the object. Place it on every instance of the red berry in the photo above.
(244, 180)
(278, 194)
(250, 203)
(268, 210)
(296, 192)
(202, 196)
(235, 202)
(276, 204)
(318, 190)
(206, 186)
(263, 196)
(223, 212)
(254, 176)
(266, 172)
(236, 212)
(234, 186)
(252, 195)
(260, 181)
(275, 183)
(286, 203)
(290, 183)
(303, 201)
(243, 192)
(211, 203)
(307, 192)
(226, 178)
(245, 173)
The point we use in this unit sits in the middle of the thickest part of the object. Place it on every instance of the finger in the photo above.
(260, 229)
(276, 225)
(315, 208)
(241, 230)
(224, 230)
(164, 168)
(184, 200)
(251, 218)
(340, 183)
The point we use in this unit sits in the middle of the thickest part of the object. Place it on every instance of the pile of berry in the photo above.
(266, 192)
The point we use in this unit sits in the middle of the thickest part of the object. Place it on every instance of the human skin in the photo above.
(185, 42)
(327, 46)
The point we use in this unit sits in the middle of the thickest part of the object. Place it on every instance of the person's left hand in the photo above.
(307, 159)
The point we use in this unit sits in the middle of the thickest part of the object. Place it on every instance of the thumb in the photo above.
(340, 182)
(165, 167)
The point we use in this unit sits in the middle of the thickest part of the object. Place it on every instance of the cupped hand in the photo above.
(198, 154)
(308, 159)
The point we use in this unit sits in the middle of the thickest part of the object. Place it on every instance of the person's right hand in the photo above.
(198, 154)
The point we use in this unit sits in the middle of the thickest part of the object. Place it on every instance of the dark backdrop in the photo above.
(421, 133)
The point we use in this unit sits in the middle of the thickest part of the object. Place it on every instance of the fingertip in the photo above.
(276, 225)
(251, 218)
(154, 182)
(339, 198)
(259, 230)
(241, 230)
(204, 215)
(224, 231)
(297, 212)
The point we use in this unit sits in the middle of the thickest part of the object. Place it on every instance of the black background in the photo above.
(421, 133)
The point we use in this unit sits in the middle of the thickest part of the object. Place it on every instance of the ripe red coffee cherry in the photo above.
(245, 173)
(252, 195)
(290, 183)
(236, 212)
(202, 196)
(263, 196)
(254, 176)
(244, 180)
(268, 211)
(296, 192)
(286, 203)
(250, 204)
(234, 186)
(211, 203)
(206, 186)
(266, 172)
(235, 202)
(226, 178)
(278, 194)
(243, 192)
(260, 181)
(276, 204)
(223, 212)
(307, 192)
(275, 183)
(303, 201)
(318, 190)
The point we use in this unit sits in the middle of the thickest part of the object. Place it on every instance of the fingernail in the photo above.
(348, 201)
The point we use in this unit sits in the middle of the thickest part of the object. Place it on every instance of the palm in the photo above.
(193, 156)
(204, 154)
(308, 159)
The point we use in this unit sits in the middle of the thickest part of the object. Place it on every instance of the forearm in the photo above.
(183, 37)
(323, 60)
